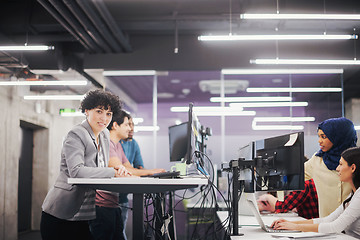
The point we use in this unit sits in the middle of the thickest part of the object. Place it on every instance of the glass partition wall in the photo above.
(247, 106)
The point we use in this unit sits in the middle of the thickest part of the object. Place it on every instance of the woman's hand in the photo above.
(120, 171)
(287, 226)
(277, 222)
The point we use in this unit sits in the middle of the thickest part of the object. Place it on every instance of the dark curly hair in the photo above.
(101, 99)
(118, 118)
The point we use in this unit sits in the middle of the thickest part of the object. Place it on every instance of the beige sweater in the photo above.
(331, 191)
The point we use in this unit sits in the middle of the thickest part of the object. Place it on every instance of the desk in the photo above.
(253, 231)
(138, 186)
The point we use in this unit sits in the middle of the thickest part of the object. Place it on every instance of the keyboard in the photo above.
(165, 175)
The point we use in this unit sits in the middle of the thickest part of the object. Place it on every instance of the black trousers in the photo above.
(53, 228)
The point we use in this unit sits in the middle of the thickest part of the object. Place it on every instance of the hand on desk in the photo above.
(267, 202)
(120, 171)
(284, 224)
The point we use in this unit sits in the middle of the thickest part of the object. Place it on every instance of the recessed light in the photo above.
(175, 81)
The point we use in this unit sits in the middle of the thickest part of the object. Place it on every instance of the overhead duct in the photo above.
(99, 24)
(63, 23)
(87, 25)
(105, 14)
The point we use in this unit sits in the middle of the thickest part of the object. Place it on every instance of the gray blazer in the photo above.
(78, 160)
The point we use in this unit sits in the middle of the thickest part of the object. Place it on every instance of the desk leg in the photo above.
(138, 216)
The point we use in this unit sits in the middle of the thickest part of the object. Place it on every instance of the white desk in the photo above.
(138, 186)
(252, 230)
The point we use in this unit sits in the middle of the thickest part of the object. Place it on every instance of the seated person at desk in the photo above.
(346, 218)
(335, 136)
(108, 223)
(305, 202)
(85, 153)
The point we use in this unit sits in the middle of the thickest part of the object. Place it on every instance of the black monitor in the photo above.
(178, 141)
(185, 140)
(279, 163)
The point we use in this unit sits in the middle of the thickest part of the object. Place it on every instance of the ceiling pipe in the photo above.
(87, 25)
(63, 23)
(59, 6)
(99, 24)
(105, 14)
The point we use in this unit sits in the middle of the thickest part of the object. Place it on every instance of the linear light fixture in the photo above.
(27, 48)
(277, 37)
(357, 127)
(269, 104)
(146, 128)
(309, 89)
(301, 16)
(43, 83)
(281, 71)
(284, 119)
(72, 114)
(215, 111)
(305, 61)
(250, 99)
(130, 73)
(54, 97)
(276, 127)
(137, 120)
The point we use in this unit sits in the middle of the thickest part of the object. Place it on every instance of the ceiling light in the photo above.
(281, 71)
(146, 128)
(27, 48)
(136, 121)
(130, 73)
(277, 37)
(312, 89)
(284, 119)
(54, 97)
(230, 86)
(357, 127)
(72, 114)
(305, 61)
(215, 111)
(277, 127)
(301, 16)
(270, 104)
(250, 99)
(43, 83)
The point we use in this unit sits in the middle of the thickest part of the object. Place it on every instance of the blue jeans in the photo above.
(124, 216)
(108, 224)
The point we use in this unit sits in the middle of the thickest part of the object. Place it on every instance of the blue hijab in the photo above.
(342, 134)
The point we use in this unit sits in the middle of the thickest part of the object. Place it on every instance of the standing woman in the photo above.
(85, 154)
(335, 136)
(346, 218)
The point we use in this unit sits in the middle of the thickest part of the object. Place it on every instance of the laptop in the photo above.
(257, 215)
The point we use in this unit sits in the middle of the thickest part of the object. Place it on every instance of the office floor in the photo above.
(33, 235)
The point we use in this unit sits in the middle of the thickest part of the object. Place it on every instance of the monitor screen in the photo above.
(178, 140)
(280, 163)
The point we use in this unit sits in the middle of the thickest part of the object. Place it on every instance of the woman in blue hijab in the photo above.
(335, 136)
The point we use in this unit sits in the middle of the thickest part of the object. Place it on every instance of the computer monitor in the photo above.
(185, 140)
(279, 163)
(178, 141)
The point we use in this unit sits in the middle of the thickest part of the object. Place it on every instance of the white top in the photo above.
(330, 190)
(347, 220)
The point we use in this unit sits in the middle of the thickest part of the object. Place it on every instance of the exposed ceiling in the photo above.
(143, 34)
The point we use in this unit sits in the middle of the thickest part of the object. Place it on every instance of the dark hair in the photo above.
(352, 156)
(102, 99)
(118, 118)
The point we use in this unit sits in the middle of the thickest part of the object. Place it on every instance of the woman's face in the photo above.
(98, 118)
(325, 143)
(345, 171)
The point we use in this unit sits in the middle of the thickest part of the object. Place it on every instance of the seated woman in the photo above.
(346, 218)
